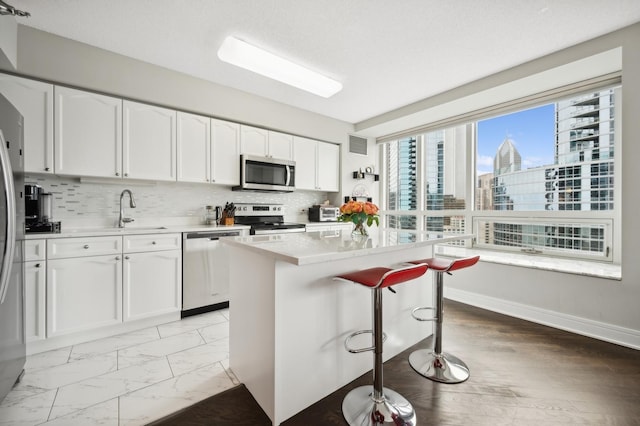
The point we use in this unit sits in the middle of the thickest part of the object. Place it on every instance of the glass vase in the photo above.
(359, 231)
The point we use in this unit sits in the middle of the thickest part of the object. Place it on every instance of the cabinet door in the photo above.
(35, 300)
(83, 293)
(88, 133)
(194, 144)
(225, 152)
(280, 145)
(34, 100)
(152, 284)
(305, 157)
(254, 141)
(328, 167)
(35, 250)
(149, 142)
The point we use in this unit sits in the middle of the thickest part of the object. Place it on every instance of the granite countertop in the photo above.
(317, 247)
(131, 230)
(97, 231)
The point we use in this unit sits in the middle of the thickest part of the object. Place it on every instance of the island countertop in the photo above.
(325, 246)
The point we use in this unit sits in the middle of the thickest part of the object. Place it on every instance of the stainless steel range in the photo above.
(265, 219)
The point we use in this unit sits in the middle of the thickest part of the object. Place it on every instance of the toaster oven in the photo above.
(323, 214)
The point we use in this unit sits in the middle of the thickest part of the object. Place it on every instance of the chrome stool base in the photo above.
(359, 408)
(443, 368)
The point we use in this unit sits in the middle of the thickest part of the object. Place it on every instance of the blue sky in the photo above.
(532, 132)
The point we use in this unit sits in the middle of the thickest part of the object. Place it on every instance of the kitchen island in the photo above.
(289, 318)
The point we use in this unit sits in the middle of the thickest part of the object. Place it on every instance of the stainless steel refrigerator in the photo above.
(12, 296)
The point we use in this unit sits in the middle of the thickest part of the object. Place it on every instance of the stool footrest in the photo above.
(360, 350)
(423, 308)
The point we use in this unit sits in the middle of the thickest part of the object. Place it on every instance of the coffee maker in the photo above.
(38, 206)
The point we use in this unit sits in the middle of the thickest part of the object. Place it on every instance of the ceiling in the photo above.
(387, 54)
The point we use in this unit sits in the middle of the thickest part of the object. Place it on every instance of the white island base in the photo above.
(289, 318)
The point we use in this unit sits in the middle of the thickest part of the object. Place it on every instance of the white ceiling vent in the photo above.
(357, 145)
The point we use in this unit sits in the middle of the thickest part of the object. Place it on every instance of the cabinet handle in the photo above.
(86, 246)
(117, 257)
(126, 257)
(46, 169)
(117, 174)
(126, 174)
(37, 265)
(153, 242)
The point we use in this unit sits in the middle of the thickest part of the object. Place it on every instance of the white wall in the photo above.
(607, 309)
(8, 42)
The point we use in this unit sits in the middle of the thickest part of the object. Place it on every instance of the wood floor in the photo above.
(521, 374)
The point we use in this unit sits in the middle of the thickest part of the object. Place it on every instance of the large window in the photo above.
(538, 180)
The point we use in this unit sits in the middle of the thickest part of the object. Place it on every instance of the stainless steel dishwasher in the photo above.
(205, 271)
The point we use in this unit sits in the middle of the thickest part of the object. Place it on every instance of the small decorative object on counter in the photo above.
(360, 213)
(210, 217)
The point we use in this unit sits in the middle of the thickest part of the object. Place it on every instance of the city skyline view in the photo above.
(532, 132)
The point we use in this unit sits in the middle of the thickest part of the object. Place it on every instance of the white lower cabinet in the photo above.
(35, 290)
(83, 293)
(94, 282)
(35, 299)
(152, 280)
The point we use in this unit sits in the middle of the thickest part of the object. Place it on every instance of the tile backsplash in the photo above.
(93, 202)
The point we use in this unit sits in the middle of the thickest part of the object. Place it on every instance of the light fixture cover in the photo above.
(252, 58)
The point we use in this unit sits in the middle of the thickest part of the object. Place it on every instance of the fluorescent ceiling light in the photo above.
(244, 55)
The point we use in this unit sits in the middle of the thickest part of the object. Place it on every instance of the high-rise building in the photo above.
(401, 166)
(507, 159)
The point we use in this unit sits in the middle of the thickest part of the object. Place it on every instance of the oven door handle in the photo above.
(278, 231)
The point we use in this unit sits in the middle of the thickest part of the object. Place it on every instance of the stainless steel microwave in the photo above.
(266, 174)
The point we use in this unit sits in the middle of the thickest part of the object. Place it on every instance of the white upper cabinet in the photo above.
(317, 165)
(194, 148)
(328, 167)
(225, 152)
(280, 145)
(305, 158)
(88, 133)
(149, 142)
(254, 141)
(266, 143)
(34, 100)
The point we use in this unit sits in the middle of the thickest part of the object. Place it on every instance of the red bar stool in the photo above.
(435, 364)
(365, 405)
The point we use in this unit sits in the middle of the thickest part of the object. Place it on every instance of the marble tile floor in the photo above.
(125, 380)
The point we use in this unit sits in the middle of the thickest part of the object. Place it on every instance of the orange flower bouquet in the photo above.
(359, 212)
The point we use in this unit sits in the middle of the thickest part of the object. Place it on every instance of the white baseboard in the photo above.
(586, 327)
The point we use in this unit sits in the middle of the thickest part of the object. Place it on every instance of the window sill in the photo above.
(570, 266)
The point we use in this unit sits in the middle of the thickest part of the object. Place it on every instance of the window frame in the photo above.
(610, 218)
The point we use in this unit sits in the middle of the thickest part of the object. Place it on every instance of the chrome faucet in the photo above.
(122, 220)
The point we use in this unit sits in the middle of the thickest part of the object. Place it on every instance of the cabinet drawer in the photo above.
(79, 247)
(34, 250)
(152, 242)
